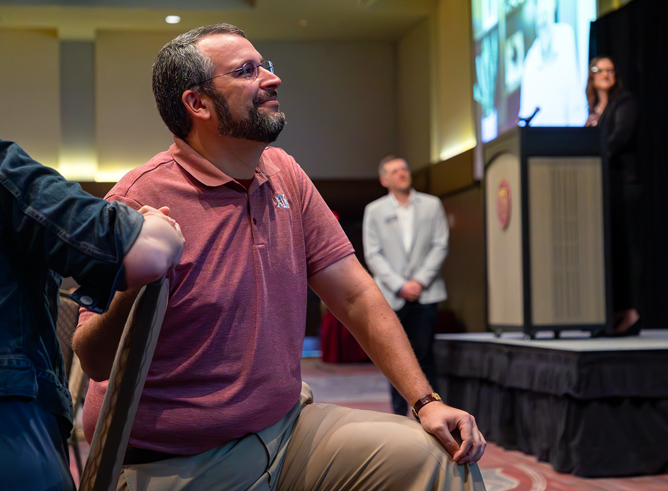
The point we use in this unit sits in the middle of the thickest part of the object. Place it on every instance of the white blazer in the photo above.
(391, 264)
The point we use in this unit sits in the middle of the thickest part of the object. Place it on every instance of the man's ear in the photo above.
(383, 181)
(198, 105)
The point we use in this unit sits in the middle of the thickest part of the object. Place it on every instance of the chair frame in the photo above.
(68, 315)
(126, 383)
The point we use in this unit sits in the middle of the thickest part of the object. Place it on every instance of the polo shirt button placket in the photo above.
(251, 218)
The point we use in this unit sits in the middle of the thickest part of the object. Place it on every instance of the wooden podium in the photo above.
(547, 231)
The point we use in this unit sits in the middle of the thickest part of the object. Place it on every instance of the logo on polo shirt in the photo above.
(281, 201)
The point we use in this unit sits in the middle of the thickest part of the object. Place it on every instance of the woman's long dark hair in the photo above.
(592, 96)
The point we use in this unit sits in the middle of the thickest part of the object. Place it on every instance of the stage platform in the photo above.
(590, 407)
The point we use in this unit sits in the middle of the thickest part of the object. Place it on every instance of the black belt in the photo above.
(136, 456)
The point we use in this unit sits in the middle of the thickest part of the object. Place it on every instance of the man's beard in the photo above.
(255, 126)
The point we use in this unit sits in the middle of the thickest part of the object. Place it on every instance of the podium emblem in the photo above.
(503, 204)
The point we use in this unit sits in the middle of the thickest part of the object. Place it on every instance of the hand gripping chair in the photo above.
(126, 383)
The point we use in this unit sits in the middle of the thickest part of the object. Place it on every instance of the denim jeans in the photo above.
(33, 448)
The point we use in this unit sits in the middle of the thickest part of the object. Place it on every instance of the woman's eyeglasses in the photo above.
(596, 70)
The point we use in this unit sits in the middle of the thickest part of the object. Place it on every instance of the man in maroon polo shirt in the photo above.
(224, 405)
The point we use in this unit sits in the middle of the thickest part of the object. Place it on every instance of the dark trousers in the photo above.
(33, 448)
(419, 322)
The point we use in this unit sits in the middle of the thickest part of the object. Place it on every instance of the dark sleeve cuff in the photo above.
(98, 298)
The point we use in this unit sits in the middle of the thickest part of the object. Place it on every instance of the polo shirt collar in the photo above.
(266, 167)
(204, 171)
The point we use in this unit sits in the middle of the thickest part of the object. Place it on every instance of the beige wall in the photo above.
(339, 99)
(605, 6)
(414, 82)
(129, 130)
(464, 268)
(340, 102)
(30, 92)
(453, 126)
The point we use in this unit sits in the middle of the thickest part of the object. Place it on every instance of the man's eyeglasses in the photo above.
(249, 70)
(596, 70)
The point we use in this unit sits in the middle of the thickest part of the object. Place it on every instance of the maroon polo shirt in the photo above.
(227, 362)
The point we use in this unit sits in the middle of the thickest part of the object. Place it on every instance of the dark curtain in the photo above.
(590, 413)
(636, 37)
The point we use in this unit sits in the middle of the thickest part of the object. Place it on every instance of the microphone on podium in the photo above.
(522, 122)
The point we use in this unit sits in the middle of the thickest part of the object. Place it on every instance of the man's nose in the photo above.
(268, 79)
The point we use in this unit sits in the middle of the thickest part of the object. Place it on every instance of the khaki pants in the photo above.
(317, 447)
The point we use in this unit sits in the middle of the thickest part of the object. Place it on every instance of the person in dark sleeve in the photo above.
(616, 111)
(50, 228)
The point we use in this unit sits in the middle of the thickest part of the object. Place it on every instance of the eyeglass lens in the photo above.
(596, 69)
(250, 69)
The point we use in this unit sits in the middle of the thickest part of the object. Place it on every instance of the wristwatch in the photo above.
(423, 401)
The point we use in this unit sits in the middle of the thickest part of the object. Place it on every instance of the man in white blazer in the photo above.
(405, 244)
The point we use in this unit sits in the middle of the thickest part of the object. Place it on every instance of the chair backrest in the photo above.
(126, 383)
(68, 317)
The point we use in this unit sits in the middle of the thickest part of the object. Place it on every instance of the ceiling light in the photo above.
(172, 19)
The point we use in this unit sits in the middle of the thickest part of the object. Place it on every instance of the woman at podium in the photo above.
(616, 111)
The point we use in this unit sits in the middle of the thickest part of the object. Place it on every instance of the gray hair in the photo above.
(385, 160)
(178, 67)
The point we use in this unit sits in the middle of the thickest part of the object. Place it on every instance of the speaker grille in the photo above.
(566, 233)
(565, 242)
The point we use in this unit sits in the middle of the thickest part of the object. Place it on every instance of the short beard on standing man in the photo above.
(256, 126)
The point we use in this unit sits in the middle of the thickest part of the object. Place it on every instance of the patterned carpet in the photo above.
(514, 471)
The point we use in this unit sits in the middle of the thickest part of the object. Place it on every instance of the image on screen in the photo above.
(530, 63)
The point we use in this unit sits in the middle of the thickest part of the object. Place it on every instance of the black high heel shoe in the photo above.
(632, 330)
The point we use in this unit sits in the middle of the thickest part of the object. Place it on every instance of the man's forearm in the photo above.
(380, 333)
(354, 298)
(96, 340)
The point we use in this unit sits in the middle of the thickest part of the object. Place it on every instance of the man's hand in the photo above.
(163, 214)
(440, 420)
(157, 249)
(410, 291)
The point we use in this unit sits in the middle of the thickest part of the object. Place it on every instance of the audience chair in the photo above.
(68, 318)
(126, 383)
